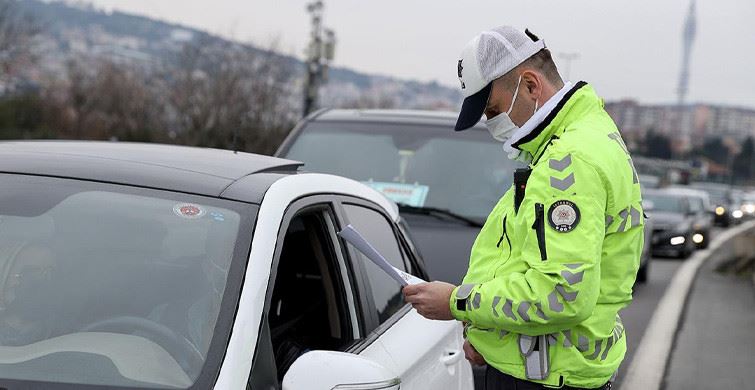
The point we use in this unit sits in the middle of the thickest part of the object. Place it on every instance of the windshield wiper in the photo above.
(439, 213)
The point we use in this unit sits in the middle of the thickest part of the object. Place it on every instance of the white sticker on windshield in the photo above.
(408, 194)
(188, 210)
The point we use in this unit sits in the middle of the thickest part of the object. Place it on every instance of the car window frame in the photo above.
(263, 362)
(362, 283)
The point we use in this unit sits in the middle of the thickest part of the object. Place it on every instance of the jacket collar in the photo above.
(581, 97)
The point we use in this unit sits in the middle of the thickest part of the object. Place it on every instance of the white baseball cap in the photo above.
(487, 57)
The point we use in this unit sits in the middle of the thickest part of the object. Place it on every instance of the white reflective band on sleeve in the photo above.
(464, 291)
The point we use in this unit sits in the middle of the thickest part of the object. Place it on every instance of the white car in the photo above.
(152, 266)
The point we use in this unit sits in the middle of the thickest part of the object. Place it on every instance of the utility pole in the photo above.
(686, 111)
(688, 39)
(568, 58)
(320, 53)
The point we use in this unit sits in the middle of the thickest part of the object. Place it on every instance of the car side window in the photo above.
(386, 293)
(308, 308)
(699, 207)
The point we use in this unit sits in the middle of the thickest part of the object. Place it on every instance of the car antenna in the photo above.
(235, 135)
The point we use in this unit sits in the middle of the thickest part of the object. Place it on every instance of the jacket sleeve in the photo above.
(565, 203)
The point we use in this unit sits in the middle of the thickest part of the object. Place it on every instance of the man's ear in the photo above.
(531, 82)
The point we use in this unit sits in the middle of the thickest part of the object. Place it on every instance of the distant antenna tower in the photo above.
(688, 38)
(320, 53)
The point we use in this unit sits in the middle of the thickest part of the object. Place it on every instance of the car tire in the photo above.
(685, 252)
(642, 273)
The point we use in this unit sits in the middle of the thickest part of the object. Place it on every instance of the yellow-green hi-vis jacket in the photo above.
(547, 279)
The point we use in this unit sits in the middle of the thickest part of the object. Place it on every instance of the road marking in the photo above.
(648, 365)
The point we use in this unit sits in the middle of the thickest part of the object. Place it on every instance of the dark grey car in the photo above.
(674, 222)
(445, 182)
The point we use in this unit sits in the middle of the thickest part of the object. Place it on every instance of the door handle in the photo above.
(451, 357)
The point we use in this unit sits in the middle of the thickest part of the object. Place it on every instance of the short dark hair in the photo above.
(542, 61)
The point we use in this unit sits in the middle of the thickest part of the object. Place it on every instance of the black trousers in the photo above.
(496, 380)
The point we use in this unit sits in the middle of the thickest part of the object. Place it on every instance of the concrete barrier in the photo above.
(648, 367)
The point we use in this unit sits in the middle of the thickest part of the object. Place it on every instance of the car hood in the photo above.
(445, 246)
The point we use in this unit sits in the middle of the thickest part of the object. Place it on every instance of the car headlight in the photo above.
(677, 240)
(748, 208)
(720, 210)
(737, 213)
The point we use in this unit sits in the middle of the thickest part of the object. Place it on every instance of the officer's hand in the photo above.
(472, 355)
(431, 300)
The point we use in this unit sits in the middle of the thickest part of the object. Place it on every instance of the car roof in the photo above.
(658, 191)
(389, 116)
(687, 192)
(194, 170)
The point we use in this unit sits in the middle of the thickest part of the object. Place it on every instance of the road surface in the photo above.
(646, 296)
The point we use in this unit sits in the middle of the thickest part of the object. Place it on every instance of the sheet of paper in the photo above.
(353, 237)
(408, 278)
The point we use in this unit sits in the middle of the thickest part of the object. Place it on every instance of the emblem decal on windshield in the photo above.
(188, 210)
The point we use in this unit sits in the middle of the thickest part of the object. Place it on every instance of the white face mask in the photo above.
(501, 127)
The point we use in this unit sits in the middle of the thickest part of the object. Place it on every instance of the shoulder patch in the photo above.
(563, 216)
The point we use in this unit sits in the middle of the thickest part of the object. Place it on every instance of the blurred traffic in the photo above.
(330, 88)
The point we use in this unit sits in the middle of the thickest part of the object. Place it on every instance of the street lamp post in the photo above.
(568, 58)
(320, 53)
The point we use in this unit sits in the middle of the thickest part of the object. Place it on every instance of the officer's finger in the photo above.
(414, 297)
(414, 289)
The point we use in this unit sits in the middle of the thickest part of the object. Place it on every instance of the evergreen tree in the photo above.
(744, 164)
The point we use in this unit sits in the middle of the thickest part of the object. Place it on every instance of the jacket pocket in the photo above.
(539, 227)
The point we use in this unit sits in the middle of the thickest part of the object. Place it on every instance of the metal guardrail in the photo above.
(648, 366)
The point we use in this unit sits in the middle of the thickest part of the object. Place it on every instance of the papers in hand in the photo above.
(353, 237)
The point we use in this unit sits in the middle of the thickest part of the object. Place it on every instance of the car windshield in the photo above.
(667, 203)
(107, 285)
(416, 165)
(719, 195)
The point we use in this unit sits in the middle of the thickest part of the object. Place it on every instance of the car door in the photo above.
(310, 303)
(425, 354)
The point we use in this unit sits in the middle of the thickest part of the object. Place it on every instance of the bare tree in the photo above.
(104, 100)
(227, 95)
(17, 31)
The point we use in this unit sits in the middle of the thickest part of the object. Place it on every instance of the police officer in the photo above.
(557, 258)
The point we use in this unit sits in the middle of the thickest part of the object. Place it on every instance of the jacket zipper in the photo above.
(539, 227)
(504, 234)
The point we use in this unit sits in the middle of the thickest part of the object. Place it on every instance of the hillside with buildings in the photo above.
(77, 31)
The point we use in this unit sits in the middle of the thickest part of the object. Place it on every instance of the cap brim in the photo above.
(473, 108)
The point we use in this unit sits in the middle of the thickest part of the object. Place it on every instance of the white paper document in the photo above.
(353, 237)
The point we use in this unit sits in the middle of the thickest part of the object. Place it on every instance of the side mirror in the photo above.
(328, 370)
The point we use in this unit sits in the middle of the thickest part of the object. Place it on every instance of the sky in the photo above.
(627, 48)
